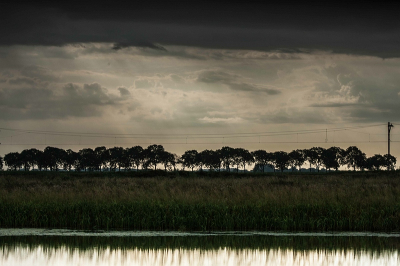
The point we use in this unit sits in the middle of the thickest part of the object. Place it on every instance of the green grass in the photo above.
(209, 202)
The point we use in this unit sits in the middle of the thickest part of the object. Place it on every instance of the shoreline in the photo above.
(7, 232)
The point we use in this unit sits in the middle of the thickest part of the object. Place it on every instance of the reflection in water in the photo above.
(198, 250)
(223, 256)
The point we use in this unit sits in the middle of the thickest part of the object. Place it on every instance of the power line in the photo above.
(189, 135)
(191, 143)
(190, 139)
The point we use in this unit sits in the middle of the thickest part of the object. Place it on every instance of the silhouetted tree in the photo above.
(189, 159)
(281, 160)
(237, 157)
(355, 158)
(115, 157)
(375, 163)
(297, 158)
(226, 154)
(271, 160)
(154, 153)
(245, 158)
(26, 157)
(101, 157)
(211, 159)
(1, 163)
(88, 159)
(311, 156)
(71, 160)
(35, 154)
(318, 151)
(200, 160)
(333, 157)
(390, 161)
(108, 159)
(261, 158)
(292, 162)
(125, 160)
(146, 160)
(40, 160)
(29, 158)
(136, 156)
(53, 158)
(166, 159)
(175, 161)
(13, 160)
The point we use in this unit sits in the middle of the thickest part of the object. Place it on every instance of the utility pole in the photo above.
(390, 125)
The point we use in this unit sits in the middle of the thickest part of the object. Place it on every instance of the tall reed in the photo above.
(334, 202)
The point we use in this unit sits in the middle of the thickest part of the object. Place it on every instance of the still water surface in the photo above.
(66, 247)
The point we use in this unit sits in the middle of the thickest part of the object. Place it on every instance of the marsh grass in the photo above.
(193, 202)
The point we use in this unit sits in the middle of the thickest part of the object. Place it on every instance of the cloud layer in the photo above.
(240, 86)
(91, 87)
(26, 99)
(290, 27)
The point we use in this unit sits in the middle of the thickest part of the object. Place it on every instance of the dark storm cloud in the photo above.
(233, 82)
(38, 72)
(119, 46)
(124, 92)
(364, 115)
(216, 77)
(355, 29)
(45, 103)
(22, 80)
(333, 104)
(252, 88)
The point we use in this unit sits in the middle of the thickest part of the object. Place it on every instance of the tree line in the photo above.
(226, 158)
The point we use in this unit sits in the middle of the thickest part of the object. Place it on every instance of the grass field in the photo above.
(344, 201)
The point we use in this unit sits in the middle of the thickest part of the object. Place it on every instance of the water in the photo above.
(69, 247)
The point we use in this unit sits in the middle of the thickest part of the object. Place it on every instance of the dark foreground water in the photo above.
(67, 247)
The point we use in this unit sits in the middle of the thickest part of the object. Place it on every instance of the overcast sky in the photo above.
(179, 69)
